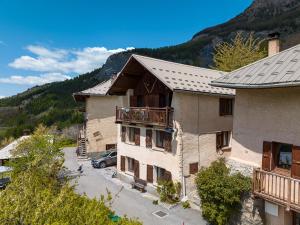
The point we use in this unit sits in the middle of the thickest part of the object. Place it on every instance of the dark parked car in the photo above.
(4, 182)
(108, 158)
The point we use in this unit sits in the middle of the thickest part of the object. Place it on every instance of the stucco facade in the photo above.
(264, 115)
(101, 129)
(196, 121)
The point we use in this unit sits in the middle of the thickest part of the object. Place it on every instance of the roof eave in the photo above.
(203, 93)
(255, 86)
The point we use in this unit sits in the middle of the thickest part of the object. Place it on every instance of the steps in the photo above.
(82, 143)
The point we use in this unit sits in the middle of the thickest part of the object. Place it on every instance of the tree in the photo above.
(240, 51)
(39, 194)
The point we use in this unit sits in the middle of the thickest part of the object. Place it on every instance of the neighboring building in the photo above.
(6, 152)
(99, 131)
(266, 130)
(171, 122)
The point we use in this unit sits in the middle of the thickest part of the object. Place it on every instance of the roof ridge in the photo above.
(170, 62)
(258, 61)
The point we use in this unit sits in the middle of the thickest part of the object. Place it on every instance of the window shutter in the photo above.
(267, 156)
(133, 101)
(122, 163)
(168, 176)
(136, 169)
(137, 136)
(193, 168)
(295, 171)
(219, 140)
(148, 138)
(149, 173)
(168, 142)
(123, 134)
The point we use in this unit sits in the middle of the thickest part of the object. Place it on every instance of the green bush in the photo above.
(186, 204)
(168, 191)
(220, 192)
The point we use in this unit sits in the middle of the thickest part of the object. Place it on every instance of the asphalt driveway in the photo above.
(96, 182)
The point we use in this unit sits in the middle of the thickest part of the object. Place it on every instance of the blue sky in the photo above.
(49, 40)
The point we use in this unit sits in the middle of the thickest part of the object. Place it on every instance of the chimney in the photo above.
(274, 43)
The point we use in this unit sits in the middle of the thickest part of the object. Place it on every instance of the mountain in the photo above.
(53, 103)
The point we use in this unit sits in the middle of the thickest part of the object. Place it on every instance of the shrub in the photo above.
(220, 191)
(186, 204)
(155, 202)
(168, 191)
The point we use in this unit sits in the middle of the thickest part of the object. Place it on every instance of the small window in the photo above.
(226, 107)
(160, 135)
(130, 164)
(223, 139)
(193, 168)
(110, 146)
(131, 134)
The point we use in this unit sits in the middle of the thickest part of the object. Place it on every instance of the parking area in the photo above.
(126, 201)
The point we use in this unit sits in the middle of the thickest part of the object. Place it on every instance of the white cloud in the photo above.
(64, 61)
(1, 96)
(34, 80)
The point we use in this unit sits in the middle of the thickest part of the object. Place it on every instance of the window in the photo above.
(131, 134)
(283, 155)
(130, 162)
(193, 168)
(160, 138)
(160, 173)
(140, 101)
(123, 134)
(223, 139)
(226, 106)
(110, 146)
(162, 100)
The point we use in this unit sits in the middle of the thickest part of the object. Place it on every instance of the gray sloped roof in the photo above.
(98, 90)
(280, 70)
(181, 77)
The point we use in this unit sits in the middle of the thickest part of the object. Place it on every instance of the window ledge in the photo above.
(158, 149)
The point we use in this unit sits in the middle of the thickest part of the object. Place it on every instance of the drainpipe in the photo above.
(198, 130)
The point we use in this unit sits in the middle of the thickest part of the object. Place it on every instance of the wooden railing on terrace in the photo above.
(146, 115)
(280, 189)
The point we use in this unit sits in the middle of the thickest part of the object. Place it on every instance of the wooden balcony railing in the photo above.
(280, 189)
(145, 115)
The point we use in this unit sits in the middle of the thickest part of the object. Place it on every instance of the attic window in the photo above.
(279, 62)
(294, 60)
(267, 63)
(261, 74)
(248, 75)
(167, 70)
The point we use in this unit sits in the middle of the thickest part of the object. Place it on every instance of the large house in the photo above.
(99, 131)
(171, 121)
(266, 130)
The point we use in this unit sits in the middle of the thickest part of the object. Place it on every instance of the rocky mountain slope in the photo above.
(48, 103)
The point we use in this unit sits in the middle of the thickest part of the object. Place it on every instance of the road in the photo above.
(96, 182)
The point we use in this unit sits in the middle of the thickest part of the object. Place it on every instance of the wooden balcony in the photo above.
(145, 115)
(280, 189)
